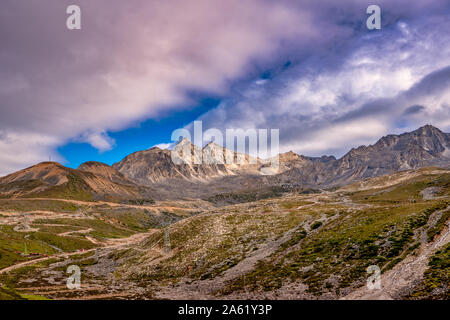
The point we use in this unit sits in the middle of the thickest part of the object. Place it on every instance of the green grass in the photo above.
(11, 280)
(101, 231)
(33, 297)
(344, 247)
(12, 242)
(440, 224)
(75, 188)
(435, 284)
(207, 245)
(139, 220)
(294, 204)
(55, 229)
(246, 196)
(25, 205)
(10, 294)
(66, 243)
(409, 190)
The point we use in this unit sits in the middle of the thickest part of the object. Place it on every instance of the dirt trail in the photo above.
(110, 244)
(152, 207)
(85, 232)
(68, 233)
(34, 261)
(404, 274)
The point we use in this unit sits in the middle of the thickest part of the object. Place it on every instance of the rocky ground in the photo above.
(294, 246)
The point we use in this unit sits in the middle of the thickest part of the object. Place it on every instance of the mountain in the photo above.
(153, 174)
(105, 171)
(426, 146)
(91, 181)
(274, 239)
(296, 246)
(156, 166)
(307, 246)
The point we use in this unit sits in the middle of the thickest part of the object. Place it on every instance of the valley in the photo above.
(218, 232)
(297, 246)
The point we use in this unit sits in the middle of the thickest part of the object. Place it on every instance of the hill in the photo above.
(92, 181)
(302, 246)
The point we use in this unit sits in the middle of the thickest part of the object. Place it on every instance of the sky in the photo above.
(139, 69)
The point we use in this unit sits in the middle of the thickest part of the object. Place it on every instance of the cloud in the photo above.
(129, 62)
(24, 149)
(338, 134)
(164, 145)
(134, 60)
(377, 86)
(99, 140)
(413, 110)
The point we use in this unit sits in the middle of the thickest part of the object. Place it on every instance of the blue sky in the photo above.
(142, 136)
(308, 68)
(158, 131)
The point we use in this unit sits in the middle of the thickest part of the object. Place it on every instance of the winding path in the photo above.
(113, 243)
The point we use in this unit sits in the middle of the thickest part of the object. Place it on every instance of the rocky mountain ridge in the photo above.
(426, 146)
(153, 174)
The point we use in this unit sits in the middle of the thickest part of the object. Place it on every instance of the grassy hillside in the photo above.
(76, 188)
(53, 180)
(296, 245)
(435, 284)
(323, 242)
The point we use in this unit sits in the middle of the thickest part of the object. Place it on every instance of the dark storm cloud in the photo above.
(413, 110)
(130, 61)
(438, 80)
(356, 92)
(135, 59)
(434, 84)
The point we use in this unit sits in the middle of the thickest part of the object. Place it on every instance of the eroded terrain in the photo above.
(300, 245)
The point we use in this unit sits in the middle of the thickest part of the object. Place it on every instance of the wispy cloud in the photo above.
(383, 83)
(130, 61)
(133, 60)
(165, 145)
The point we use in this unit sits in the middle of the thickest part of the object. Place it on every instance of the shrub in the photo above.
(316, 225)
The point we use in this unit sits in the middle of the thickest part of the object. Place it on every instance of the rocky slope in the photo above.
(156, 165)
(294, 246)
(153, 173)
(105, 171)
(92, 181)
(305, 246)
(426, 146)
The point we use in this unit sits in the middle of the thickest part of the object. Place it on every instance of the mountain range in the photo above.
(152, 175)
(147, 228)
